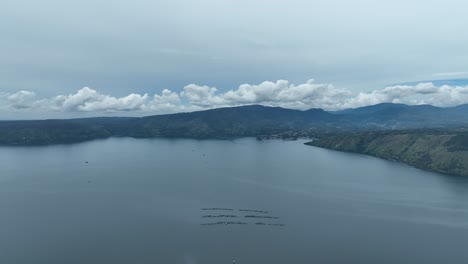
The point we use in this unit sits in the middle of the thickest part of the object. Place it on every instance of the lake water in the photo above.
(140, 201)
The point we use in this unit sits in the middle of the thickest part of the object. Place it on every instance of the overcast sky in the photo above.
(149, 56)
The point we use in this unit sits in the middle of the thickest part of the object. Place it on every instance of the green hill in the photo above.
(245, 121)
(434, 150)
(233, 122)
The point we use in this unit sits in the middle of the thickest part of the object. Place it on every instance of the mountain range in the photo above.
(233, 122)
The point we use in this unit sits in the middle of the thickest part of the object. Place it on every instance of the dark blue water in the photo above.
(139, 201)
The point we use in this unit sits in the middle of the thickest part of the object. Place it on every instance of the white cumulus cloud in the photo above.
(197, 97)
(423, 93)
(279, 93)
(87, 99)
(21, 99)
(166, 102)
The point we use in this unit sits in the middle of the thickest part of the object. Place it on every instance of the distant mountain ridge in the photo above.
(402, 116)
(232, 122)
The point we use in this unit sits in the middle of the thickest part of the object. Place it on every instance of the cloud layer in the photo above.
(196, 97)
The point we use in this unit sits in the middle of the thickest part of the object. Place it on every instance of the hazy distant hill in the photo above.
(405, 116)
(236, 122)
(232, 122)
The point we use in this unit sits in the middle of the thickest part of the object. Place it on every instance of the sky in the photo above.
(94, 57)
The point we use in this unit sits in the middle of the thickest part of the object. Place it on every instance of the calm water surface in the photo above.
(139, 201)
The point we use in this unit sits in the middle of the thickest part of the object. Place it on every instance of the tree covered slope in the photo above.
(232, 122)
(434, 150)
